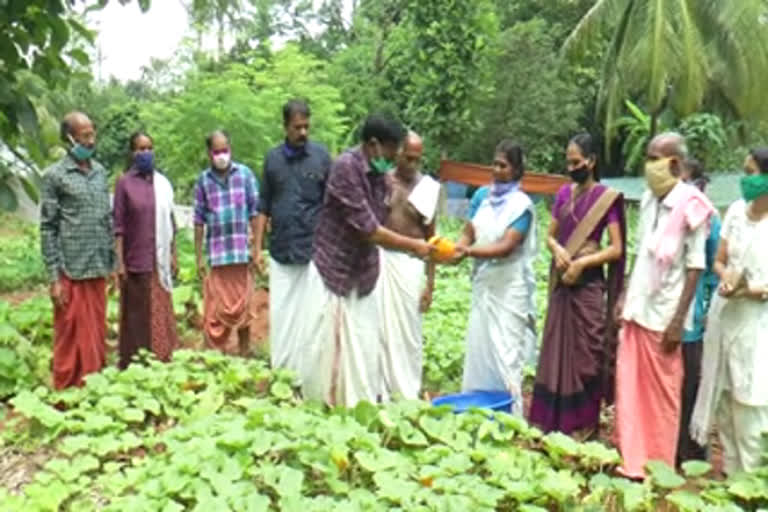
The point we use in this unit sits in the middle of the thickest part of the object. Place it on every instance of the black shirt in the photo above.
(291, 194)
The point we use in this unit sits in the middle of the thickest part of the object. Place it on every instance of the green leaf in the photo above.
(290, 481)
(281, 390)
(29, 188)
(686, 501)
(696, 468)
(663, 475)
(748, 488)
(8, 200)
(393, 488)
(132, 415)
(80, 56)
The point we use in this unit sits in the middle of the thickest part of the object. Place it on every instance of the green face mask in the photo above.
(755, 186)
(79, 152)
(381, 165)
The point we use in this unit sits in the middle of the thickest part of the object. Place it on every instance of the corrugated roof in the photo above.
(723, 189)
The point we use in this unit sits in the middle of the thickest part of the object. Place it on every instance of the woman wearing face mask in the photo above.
(574, 373)
(501, 236)
(146, 255)
(734, 383)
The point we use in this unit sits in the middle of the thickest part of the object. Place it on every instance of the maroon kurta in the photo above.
(146, 309)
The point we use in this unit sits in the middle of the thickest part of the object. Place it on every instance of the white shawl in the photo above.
(163, 228)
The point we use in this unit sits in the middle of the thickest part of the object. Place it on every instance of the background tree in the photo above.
(35, 37)
(245, 100)
(530, 96)
(678, 54)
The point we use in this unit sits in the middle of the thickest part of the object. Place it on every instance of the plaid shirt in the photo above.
(225, 207)
(76, 222)
(354, 207)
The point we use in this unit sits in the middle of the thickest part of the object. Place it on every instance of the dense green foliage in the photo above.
(213, 432)
(464, 74)
(244, 99)
(209, 432)
(21, 264)
(678, 56)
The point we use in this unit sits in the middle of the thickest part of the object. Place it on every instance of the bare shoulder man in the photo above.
(404, 294)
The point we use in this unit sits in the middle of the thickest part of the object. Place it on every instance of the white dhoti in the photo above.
(340, 356)
(401, 285)
(287, 289)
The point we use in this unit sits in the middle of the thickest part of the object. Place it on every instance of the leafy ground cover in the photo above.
(212, 432)
(21, 266)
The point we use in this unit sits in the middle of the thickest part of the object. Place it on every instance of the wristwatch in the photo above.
(764, 295)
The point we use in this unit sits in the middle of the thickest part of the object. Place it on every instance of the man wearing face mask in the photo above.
(340, 333)
(672, 234)
(78, 251)
(291, 195)
(226, 202)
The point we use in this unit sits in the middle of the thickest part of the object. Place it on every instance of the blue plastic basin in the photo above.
(461, 402)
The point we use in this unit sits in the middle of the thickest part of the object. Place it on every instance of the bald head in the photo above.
(79, 127)
(409, 159)
(413, 142)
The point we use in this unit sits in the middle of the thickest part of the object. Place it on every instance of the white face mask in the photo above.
(221, 161)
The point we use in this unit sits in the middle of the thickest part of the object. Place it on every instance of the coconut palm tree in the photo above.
(678, 54)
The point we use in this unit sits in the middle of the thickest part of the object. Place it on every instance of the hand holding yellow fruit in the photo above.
(444, 249)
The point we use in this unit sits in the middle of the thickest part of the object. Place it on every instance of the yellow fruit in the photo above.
(445, 249)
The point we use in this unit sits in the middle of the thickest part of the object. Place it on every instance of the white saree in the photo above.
(497, 335)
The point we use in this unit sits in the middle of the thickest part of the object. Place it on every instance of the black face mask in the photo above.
(580, 175)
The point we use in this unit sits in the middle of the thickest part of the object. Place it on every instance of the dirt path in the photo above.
(16, 297)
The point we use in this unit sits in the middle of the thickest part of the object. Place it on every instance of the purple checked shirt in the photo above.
(354, 207)
(225, 206)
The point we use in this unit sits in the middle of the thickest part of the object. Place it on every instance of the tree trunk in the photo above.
(654, 125)
(220, 35)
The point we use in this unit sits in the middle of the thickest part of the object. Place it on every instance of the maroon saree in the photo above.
(576, 364)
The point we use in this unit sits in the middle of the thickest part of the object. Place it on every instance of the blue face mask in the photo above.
(144, 161)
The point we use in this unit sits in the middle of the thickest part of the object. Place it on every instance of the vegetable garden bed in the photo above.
(213, 432)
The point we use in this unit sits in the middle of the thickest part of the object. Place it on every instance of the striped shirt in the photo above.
(76, 222)
(225, 206)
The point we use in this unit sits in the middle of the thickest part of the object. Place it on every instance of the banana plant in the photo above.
(637, 129)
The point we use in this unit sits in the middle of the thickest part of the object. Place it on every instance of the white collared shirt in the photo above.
(654, 310)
